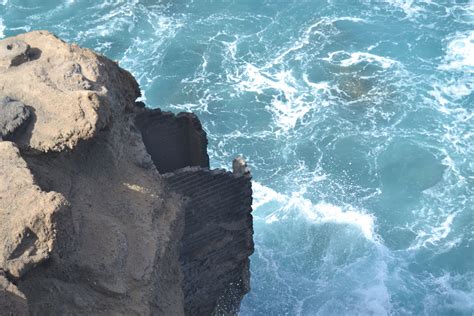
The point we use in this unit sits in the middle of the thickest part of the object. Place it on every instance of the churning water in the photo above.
(356, 116)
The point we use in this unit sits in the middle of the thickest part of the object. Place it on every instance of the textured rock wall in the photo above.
(218, 231)
(88, 225)
(217, 238)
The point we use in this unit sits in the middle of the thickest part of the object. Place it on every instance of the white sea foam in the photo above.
(449, 298)
(259, 80)
(451, 91)
(436, 236)
(459, 58)
(460, 53)
(356, 269)
(313, 29)
(293, 97)
(2, 28)
(288, 105)
(410, 7)
(345, 59)
(318, 213)
(375, 298)
(263, 195)
(320, 86)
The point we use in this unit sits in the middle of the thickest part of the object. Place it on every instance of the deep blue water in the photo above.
(355, 116)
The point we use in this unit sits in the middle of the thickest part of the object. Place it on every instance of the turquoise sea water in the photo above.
(356, 117)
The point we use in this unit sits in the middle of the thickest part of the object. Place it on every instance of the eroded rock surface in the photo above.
(13, 115)
(107, 207)
(13, 52)
(27, 227)
(73, 91)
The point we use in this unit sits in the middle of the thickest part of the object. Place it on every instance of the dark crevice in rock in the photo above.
(173, 141)
(27, 244)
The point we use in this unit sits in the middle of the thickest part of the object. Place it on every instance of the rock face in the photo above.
(107, 207)
(28, 228)
(72, 91)
(216, 235)
(173, 141)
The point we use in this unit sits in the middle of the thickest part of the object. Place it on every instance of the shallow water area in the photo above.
(355, 116)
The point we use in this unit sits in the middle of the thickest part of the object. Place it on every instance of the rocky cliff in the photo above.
(107, 207)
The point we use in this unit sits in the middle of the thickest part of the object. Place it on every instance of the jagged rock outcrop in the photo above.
(107, 207)
(217, 238)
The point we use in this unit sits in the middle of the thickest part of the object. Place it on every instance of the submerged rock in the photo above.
(107, 207)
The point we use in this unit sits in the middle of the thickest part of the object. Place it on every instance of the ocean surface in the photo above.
(357, 118)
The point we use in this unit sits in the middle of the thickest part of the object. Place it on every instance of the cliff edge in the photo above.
(107, 207)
